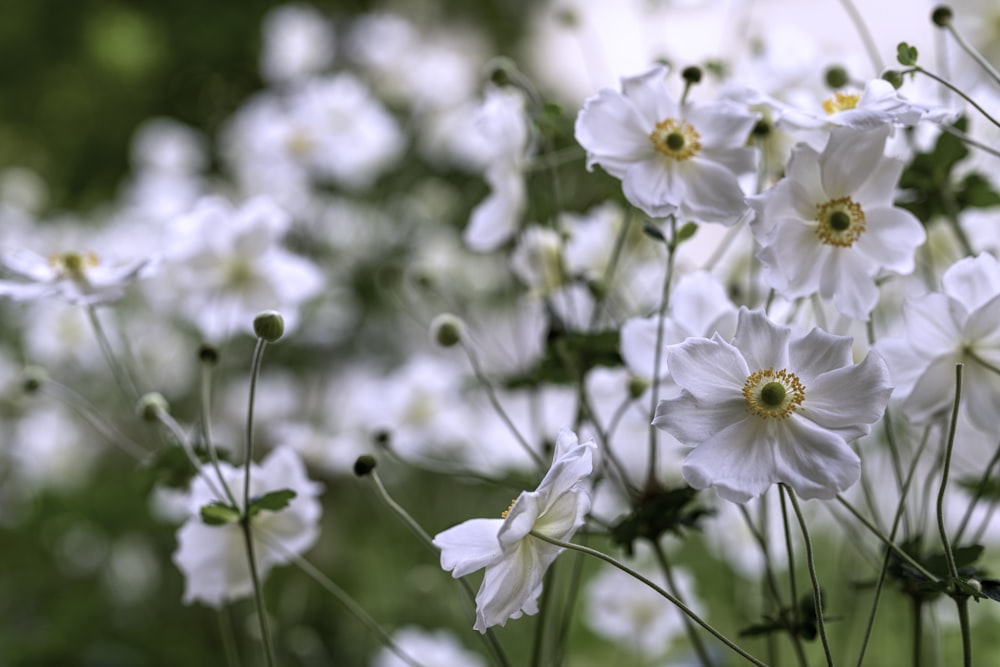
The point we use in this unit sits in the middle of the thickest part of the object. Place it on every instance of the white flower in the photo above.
(830, 225)
(74, 276)
(298, 42)
(516, 561)
(959, 325)
(213, 558)
(770, 408)
(434, 649)
(671, 158)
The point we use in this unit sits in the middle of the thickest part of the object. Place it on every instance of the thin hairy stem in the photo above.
(811, 562)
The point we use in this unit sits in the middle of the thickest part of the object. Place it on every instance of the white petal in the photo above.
(638, 344)
(510, 586)
(469, 546)
(614, 134)
(813, 461)
(847, 277)
(654, 186)
(934, 390)
(711, 369)
(819, 352)
(649, 93)
(762, 343)
(972, 281)
(847, 400)
(693, 422)
(981, 393)
(712, 192)
(931, 324)
(497, 217)
(850, 158)
(738, 461)
(891, 236)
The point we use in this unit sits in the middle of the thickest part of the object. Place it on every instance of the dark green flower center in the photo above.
(772, 393)
(675, 141)
(839, 221)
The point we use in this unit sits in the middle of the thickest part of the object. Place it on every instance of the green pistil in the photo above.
(839, 221)
(772, 393)
(675, 141)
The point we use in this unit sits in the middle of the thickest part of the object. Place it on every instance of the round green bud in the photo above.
(151, 406)
(208, 354)
(893, 77)
(364, 465)
(33, 378)
(761, 128)
(447, 330)
(636, 386)
(691, 74)
(941, 16)
(382, 438)
(836, 77)
(269, 325)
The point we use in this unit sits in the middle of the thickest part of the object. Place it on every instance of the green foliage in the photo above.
(657, 513)
(906, 54)
(273, 501)
(801, 621)
(569, 355)
(930, 189)
(219, 514)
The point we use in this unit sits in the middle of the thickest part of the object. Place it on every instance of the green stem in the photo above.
(962, 602)
(945, 542)
(955, 90)
(538, 643)
(654, 390)
(692, 632)
(793, 588)
(609, 270)
(918, 630)
(811, 562)
(866, 36)
(206, 431)
(226, 634)
(119, 370)
(671, 598)
(886, 541)
(973, 53)
(258, 355)
(258, 593)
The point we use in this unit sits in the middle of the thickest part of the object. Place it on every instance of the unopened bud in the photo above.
(893, 77)
(836, 77)
(941, 16)
(151, 406)
(364, 465)
(637, 385)
(33, 378)
(208, 354)
(976, 584)
(691, 74)
(269, 325)
(447, 330)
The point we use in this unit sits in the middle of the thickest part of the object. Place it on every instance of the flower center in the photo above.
(771, 393)
(503, 515)
(841, 102)
(841, 222)
(676, 139)
(74, 265)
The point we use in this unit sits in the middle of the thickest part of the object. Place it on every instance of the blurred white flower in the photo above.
(516, 561)
(298, 42)
(426, 647)
(672, 159)
(74, 276)
(213, 558)
(830, 225)
(960, 324)
(768, 408)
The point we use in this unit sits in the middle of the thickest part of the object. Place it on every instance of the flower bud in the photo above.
(637, 385)
(364, 465)
(269, 325)
(691, 75)
(941, 16)
(151, 406)
(836, 77)
(447, 330)
(208, 354)
(893, 77)
(33, 378)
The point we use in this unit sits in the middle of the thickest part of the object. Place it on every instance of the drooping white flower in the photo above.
(830, 225)
(516, 561)
(960, 324)
(770, 408)
(213, 558)
(672, 159)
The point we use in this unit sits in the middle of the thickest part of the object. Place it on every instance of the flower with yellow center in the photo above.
(841, 102)
(752, 426)
(78, 277)
(878, 105)
(830, 227)
(672, 159)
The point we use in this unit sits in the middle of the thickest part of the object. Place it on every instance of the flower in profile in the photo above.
(770, 408)
(830, 225)
(75, 276)
(672, 159)
(213, 557)
(516, 561)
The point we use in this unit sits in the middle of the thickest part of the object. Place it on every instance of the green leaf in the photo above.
(906, 54)
(568, 355)
(685, 232)
(219, 514)
(658, 512)
(273, 501)
(991, 588)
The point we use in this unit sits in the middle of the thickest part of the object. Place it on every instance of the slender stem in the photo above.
(258, 355)
(538, 643)
(120, 371)
(945, 541)
(954, 89)
(654, 391)
(609, 270)
(962, 602)
(411, 523)
(885, 540)
(206, 431)
(258, 592)
(793, 630)
(917, 608)
(671, 598)
(692, 632)
(900, 507)
(973, 53)
(866, 36)
(817, 591)
(969, 140)
(185, 443)
(93, 416)
(226, 634)
(498, 407)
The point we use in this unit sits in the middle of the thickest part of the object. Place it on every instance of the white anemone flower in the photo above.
(515, 560)
(830, 225)
(672, 159)
(76, 277)
(213, 558)
(770, 408)
(961, 324)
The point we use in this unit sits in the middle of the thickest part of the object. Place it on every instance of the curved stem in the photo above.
(885, 540)
(206, 431)
(120, 371)
(654, 390)
(817, 591)
(692, 633)
(866, 36)
(955, 90)
(793, 631)
(671, 598)
(973, 53)
(945, 541)
(258, 592)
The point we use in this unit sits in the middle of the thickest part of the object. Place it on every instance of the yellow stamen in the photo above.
(771, 393)
(841, 102)
(841, 222)
(676, 138)
(503, 515)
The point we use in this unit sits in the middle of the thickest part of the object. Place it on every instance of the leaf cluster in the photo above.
(657, 513)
